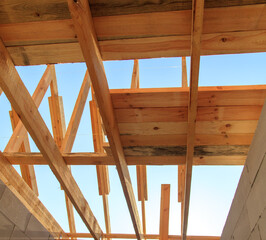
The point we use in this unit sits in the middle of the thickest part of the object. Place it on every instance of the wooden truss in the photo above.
(183, 126)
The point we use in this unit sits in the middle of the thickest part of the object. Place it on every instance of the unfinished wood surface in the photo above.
(23, 104)
(0, 91)
(81, 15)
(178, 97)
(142, 48)
(24, 11)
(135, 75)
(10, 177)
(197, 24)
(179, 114)
(181, 139)
(102, 171)
(27, 171)
(102, 159)
(20, 131)
(134, 26)
(147, 236)
(202, 127)
(164, 211)
(59, 130)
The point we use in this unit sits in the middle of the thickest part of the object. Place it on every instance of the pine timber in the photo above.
(81, 15)
(197, 25)
(59, 130)
(20, 131)
(135, 75)
(102, 171)
(23, 104)
(147, 236)
(164, 211)
(103, 159)
(24, 193)
(27, 171)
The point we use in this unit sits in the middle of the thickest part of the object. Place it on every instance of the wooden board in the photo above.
(178, 97)
(29, 11)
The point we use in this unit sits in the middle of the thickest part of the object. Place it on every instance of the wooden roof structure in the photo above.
(168, 126)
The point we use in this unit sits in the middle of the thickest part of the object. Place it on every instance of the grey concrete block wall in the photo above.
(247, 216)
(16, 222)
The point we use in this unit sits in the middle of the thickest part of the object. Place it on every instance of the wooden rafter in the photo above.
(20, 131)
(81, 15)
(24, 193)
(27, 171)
(182, 168)
(59, 129)
(164, 211)
(23, 104)
(197, 23)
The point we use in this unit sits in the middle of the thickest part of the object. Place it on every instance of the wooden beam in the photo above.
(182, 169)
(164, 211)
(80, 12)
(135, 75)
(27, 171)
(23, 104)
(197, 23)
(102, 171)
(59, 129)
(20, 131)
(29, 199)
(147, 236)
(84, 159)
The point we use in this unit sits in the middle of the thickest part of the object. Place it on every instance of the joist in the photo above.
(30, 200)
(222, 96)
(27, 171)
(84, 159)
(102, 171)
(197, 24)
(20, 131)
(59, 129)
(164, 211)
(24, 106)
(81, 15)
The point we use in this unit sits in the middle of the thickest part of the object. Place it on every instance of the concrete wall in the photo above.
(247, 217)
(16, 222)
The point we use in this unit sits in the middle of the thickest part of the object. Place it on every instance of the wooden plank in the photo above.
(27, 171)
(197, 24)
(80, 12)
(23, 104)
(23, 11)
(142, 48)
(102, 159)
(20, 131)
(178, 97)
(59, 130)
(202, 127)
(164, 211)
(29, 199)
(147, 236)
(181, 139)
(155, 24)
(179, 114)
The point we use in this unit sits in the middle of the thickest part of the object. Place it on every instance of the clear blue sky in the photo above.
(212, 187)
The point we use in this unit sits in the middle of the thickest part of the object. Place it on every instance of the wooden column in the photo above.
(197, 23)
(164, 212)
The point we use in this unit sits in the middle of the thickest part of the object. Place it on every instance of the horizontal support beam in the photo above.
(103, 159)
(141, 48)
(146, 236)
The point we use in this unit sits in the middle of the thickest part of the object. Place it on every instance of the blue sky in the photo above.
(212, 187)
